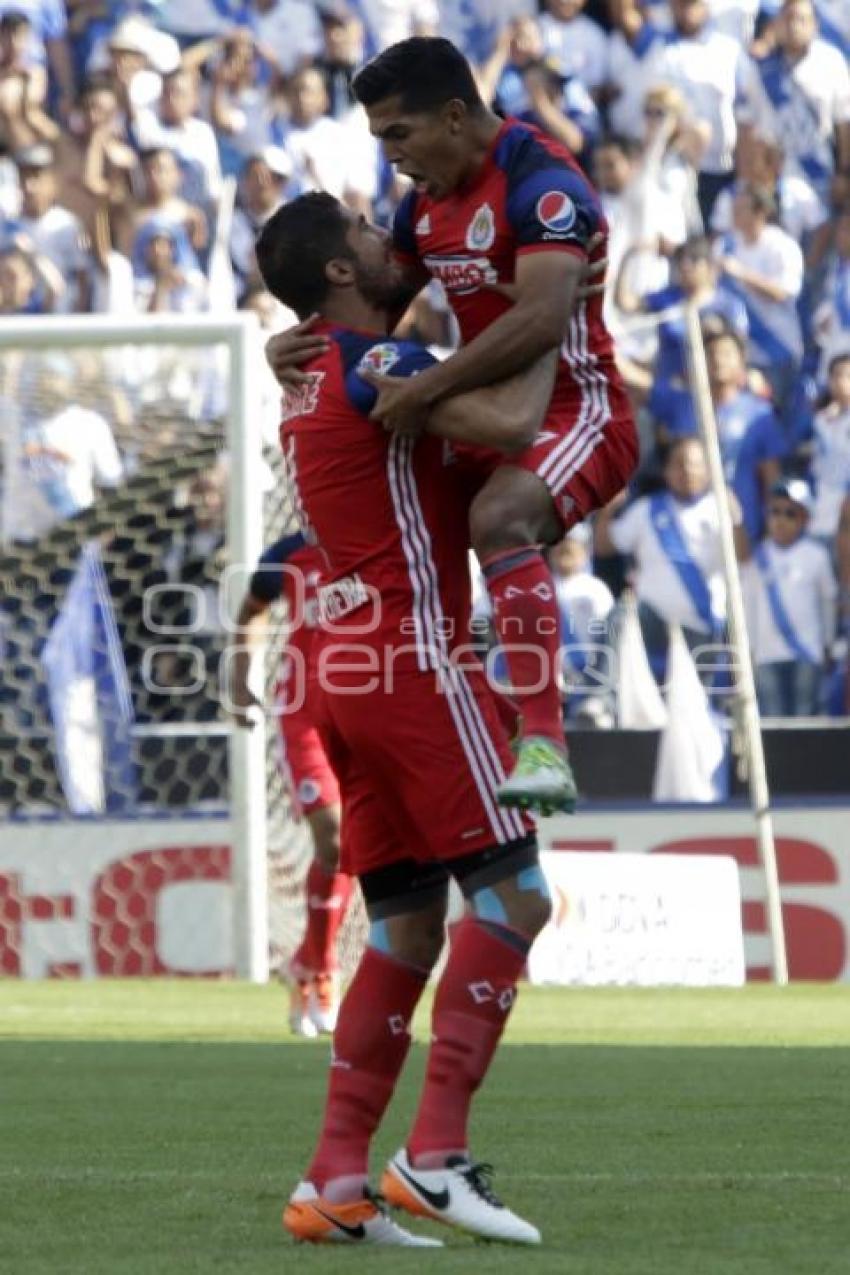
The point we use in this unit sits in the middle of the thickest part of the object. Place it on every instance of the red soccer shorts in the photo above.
(418, 769)
(311, 781)
(586, 457)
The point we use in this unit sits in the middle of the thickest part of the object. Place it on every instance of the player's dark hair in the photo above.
(296, 244)
(424, 71)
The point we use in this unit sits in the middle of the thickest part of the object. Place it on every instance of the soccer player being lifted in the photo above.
(505, 219)
(412, 730)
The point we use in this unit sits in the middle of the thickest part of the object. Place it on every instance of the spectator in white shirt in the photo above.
(52, 230)
(830, 467)
(176, 125)
(575, 43)
(673, 537)
(764, 266)
(322, 150)
(65, 451)
(710, 69)
(790, 596)
(800, 210)
(801, 99)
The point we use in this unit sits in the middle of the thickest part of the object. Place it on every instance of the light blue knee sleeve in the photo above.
(379, 937)
(487, 906)
(533, 879)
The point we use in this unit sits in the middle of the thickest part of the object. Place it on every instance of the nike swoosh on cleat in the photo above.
(357, 1232)
(437, 1199)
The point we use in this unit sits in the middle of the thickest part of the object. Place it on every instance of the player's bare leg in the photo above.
(313, 971)
(407, 906)
(434, 1175)
(510, 518)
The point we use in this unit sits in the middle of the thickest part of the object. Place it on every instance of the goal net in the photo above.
(141, 477)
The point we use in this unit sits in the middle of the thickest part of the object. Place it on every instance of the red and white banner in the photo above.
(153, 897)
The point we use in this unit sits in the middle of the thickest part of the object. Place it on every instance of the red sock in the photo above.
(370, 1045)
(527, 620)
(328, 894)
(473, 1001)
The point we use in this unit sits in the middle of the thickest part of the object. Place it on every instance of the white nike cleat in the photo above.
(310, 1218)
(459, 1195)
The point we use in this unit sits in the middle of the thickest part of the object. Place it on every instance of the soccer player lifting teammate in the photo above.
(503, 216)
(290, 569)
(411, 728)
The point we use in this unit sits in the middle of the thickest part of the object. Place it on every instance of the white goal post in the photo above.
(234, 344)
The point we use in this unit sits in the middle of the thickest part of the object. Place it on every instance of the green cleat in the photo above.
(542, 779)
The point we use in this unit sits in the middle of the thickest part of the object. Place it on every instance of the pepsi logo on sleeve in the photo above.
(557, 212)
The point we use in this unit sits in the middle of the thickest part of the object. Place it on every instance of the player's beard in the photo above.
(379, 285)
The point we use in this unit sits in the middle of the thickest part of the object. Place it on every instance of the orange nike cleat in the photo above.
(311, 1219)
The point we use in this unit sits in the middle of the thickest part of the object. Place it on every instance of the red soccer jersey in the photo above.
(529, 196)
(389, 512)
(291, 568)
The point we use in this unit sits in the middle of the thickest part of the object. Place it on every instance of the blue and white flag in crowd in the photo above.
(692, 760)
(89, 695)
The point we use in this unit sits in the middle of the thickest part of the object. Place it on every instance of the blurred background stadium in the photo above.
(142, 145)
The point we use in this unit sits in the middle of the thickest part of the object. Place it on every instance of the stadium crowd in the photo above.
(144, 143)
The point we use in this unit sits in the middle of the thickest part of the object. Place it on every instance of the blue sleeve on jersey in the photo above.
(387, 358)
(552, 205)
(404, 237)
(265, 583)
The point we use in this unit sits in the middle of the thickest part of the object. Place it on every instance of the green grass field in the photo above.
(156, 1127)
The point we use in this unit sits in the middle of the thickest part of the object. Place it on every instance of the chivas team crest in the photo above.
(481, 230)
